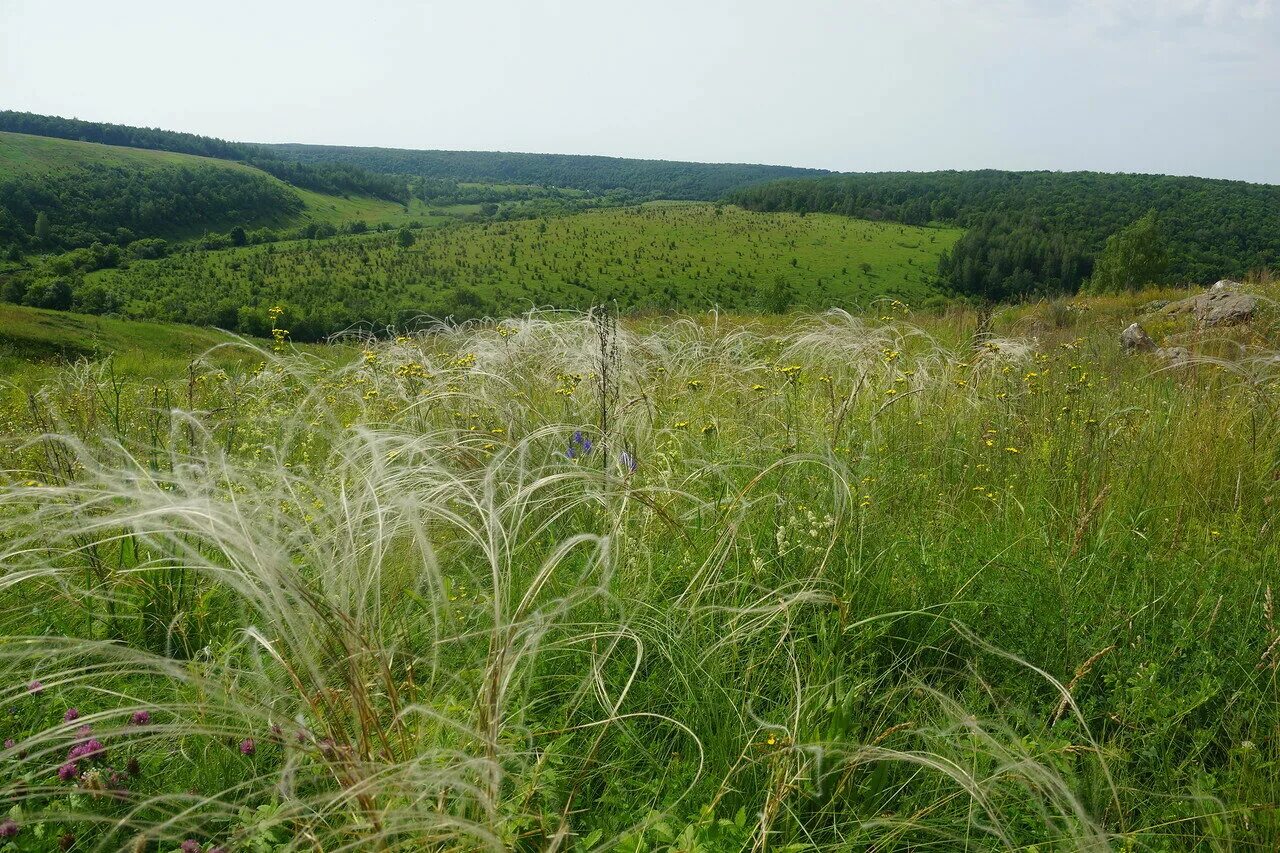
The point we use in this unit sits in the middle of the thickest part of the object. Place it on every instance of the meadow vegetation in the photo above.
(907, 580)
(650, 257)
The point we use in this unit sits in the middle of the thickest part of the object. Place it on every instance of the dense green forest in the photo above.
(326, 177)
(61, 195)
(672, 256)
(646, 178)
(1040, 231)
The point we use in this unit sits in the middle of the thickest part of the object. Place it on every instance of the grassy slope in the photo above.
(36, 345)
(662, 255)
(24, 155)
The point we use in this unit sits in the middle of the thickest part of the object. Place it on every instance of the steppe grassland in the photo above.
(871, 582)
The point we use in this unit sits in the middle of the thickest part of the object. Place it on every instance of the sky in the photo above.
(1188, 87)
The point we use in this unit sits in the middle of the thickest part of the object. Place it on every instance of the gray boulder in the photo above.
(1136, 339)
(1224, 284)
(1217, 307)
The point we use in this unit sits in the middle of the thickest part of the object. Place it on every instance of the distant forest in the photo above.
(668, 179)
(328, 177)
(1039, 232)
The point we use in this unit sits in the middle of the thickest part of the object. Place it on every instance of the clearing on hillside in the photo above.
(660, 256)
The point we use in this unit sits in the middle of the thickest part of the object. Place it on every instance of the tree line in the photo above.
(1043, 232)
(668, 179)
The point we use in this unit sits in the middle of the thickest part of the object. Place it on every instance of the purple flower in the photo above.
(10, 743)
(247, 746)
(579, 445)
(68, 771)
(190, 846)
(88, 750)
(35, 687)
(139, 718)
(628, 461)
(84, 731)
(8, 828)
(72, 714)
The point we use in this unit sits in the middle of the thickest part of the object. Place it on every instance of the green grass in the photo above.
(23, 154)
(672, 256)
(873, 583)
(37, 345)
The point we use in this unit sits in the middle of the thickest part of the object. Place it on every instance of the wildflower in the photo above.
(579, 445)
(88, 751)
(72, 714)
(190, 846)
(8, 828)
(771, 740)
(247, 746)
(628, 461)
(10, 743)
(35, 687)
(1013, 450)
(68, 771)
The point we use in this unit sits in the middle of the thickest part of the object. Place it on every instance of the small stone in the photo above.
(1176, 356)
(1135, 339)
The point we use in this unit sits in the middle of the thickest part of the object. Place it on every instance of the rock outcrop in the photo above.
(1217, 307)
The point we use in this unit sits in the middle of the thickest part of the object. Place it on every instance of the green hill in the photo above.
(90, 192)
(1041, 231)
(61, 194)
(652, 257)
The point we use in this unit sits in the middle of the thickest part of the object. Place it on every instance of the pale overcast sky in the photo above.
(1180, 87)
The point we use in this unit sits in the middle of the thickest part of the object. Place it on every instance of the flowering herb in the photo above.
(579, 445)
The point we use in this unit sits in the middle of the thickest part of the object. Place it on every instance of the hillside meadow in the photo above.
(660, 256)
(890, 581)
(114, 194)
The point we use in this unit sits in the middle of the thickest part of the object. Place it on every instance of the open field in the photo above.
(661, 256)
(718, 583)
